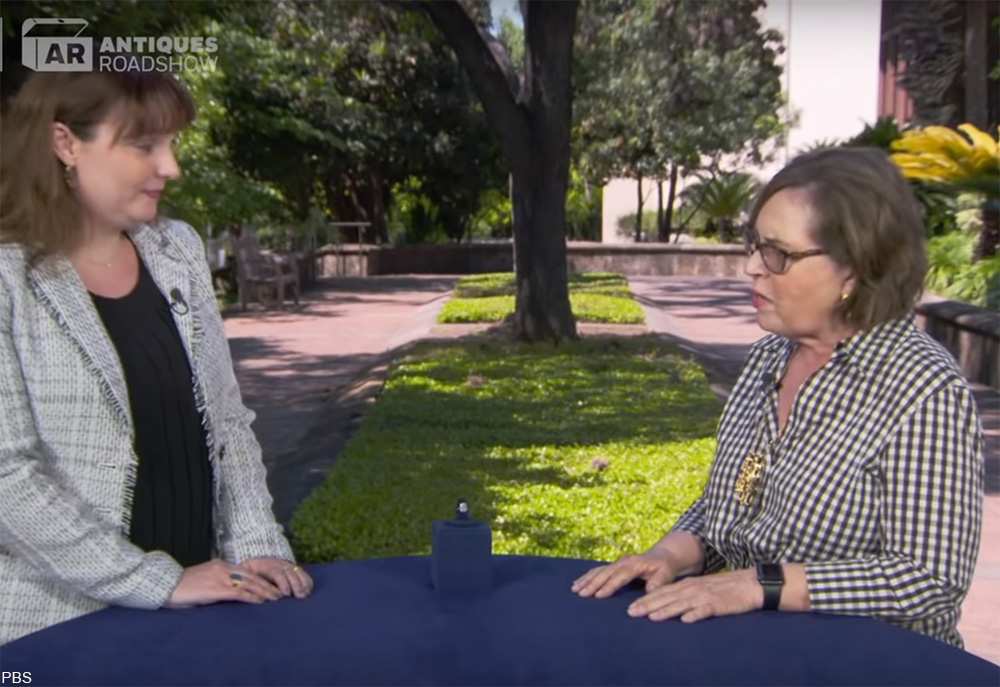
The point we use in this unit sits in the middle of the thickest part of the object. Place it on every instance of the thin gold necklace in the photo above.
(107, 263)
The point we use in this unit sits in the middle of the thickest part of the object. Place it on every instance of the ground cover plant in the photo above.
(589, 449)
(593, 296)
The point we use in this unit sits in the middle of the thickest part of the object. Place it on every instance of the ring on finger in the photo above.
(235, 579)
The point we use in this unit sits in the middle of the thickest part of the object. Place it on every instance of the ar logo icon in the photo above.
(56, 53)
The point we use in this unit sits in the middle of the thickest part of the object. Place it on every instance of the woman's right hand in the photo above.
(655, 566)
(218, 580)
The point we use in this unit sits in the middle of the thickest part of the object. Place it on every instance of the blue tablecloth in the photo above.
(379, 622)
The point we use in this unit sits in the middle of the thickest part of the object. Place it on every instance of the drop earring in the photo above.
(69, 174)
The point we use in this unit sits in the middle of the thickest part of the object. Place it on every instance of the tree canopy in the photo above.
(674, 84)
(333, 106)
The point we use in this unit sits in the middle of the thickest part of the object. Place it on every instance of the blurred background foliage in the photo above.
(359, 112)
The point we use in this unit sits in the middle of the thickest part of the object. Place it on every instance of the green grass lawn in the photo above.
(593, 296)
(591, 449)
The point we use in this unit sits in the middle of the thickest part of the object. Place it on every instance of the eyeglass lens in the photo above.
(772, 256)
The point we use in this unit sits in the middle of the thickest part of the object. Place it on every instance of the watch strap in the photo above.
(772, 579)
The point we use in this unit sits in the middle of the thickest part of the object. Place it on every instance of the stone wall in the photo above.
(970, 333)
(640, 259)
(658, 259)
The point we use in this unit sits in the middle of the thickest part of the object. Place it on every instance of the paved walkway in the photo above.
(309, 373)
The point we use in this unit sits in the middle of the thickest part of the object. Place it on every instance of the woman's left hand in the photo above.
(697, 598)
(290, 578)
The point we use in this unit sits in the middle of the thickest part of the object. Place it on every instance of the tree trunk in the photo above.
(513, 239)
(638, 210)
(976, 25)
(671, 198)
(542, 310)
(989, 238)
(533, 119)
(660, 235)
(380, 223)
(361, 211)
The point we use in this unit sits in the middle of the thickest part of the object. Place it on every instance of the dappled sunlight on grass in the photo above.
(593, 296)
(591, 449)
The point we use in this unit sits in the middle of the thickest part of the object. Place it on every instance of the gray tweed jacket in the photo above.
(67, 464)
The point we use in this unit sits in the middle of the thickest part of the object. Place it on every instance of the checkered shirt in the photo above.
(875, 484)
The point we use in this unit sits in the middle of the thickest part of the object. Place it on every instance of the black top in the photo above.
(172, 506)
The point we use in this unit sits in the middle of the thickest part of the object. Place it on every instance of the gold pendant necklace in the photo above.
(751, 474)
(749, 478)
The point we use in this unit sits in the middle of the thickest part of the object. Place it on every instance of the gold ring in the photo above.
(235, 579)
(295, 567)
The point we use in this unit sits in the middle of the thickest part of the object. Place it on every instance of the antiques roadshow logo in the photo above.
(76, 53)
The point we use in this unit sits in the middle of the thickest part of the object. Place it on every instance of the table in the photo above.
(379, 621)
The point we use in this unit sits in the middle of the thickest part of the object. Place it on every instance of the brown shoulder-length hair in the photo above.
(37, 207)
(868, 220)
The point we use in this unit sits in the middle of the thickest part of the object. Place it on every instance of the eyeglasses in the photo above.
(776, 260)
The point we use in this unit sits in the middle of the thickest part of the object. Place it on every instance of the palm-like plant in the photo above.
(967, 160)
(723, 198)
(879, 135)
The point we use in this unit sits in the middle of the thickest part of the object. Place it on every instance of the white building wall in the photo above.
(830, 78)
(620, 198)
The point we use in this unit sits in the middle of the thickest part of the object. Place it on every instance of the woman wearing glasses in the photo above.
(848, 476)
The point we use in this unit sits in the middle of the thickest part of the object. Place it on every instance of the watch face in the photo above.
(770, 573)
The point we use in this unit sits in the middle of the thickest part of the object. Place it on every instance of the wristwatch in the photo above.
(771, 578)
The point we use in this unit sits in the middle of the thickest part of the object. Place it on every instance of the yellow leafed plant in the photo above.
(967, 160)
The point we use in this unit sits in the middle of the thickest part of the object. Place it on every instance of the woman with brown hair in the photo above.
(129, 473)
(848, 475)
